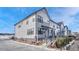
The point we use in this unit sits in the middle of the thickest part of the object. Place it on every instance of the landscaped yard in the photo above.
(61, 42)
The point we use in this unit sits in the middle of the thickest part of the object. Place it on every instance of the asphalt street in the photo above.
(75, 46)
(10, 45)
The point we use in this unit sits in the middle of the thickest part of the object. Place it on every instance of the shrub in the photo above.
(59, 42)
(69, 38)
(63, 41)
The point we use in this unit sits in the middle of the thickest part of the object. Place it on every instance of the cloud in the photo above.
(9, 16)
(70, 17)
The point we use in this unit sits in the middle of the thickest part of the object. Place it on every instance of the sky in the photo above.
(11, 15)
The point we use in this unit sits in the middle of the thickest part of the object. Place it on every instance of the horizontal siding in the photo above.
(22, 31)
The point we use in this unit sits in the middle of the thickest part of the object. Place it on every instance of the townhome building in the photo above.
(66, 31)
(39, 26)
(69, 32)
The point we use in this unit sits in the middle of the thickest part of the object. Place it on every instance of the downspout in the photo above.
(36, 29)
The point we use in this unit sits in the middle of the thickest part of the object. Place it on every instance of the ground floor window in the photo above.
(30, 31)
(40, 31)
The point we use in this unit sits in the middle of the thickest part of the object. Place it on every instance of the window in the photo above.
(51, 31)
(26, 22)
(57, 27)
(19, 26)
(33, 19)
(53, 25)
(30, 31)
(40, 31)
(40, 19)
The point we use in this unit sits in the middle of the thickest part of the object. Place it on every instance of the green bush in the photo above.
(63, 41)
(60, 42)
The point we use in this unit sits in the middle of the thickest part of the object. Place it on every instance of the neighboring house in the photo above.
(61, 24)
(38, 25)
(66, 31)
(69, 32)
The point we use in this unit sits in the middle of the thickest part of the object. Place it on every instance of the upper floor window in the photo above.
(19, 26)
(57, 27)
(54, 26)
(26, 22)
(40, 19)
(33, 19)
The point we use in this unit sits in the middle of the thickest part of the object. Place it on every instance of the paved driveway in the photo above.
(10, 45)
